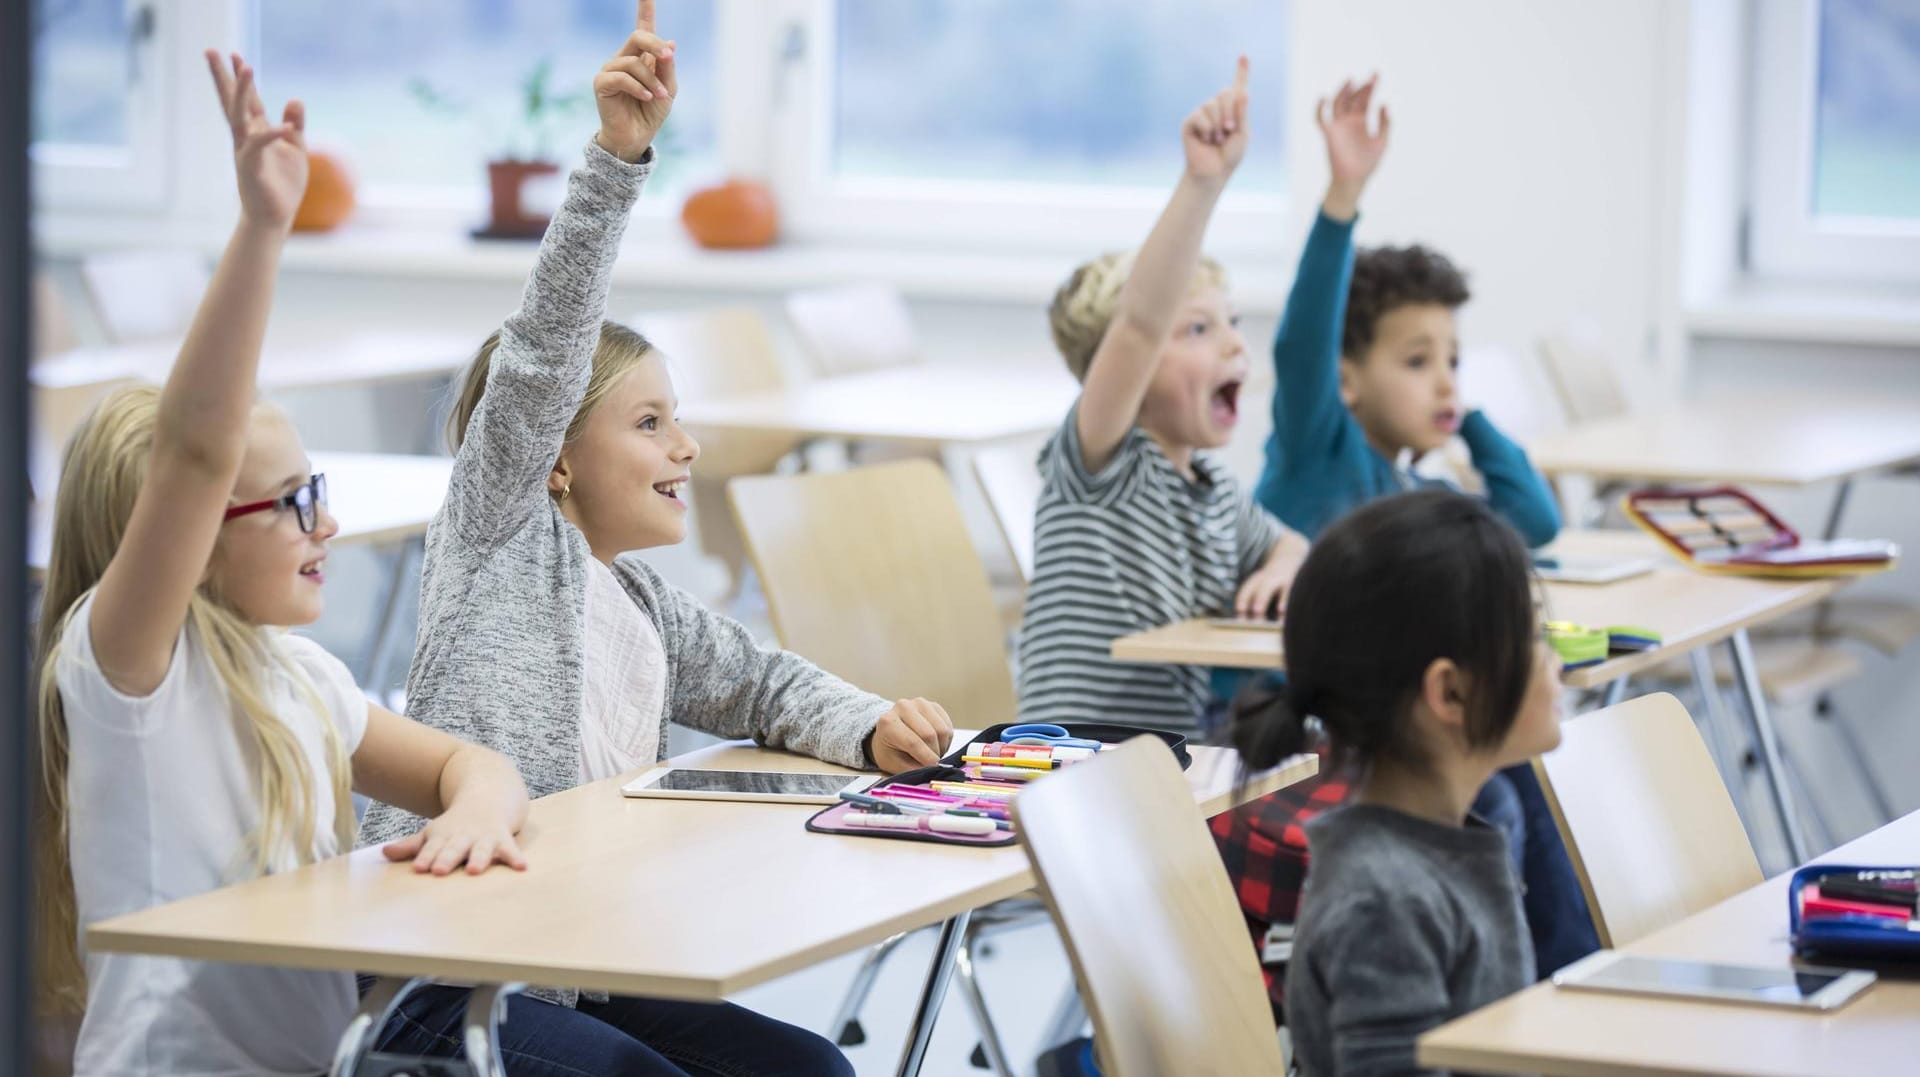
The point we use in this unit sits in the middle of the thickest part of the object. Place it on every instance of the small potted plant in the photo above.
(527, 151)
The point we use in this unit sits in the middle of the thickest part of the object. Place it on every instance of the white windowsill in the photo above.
(1811, 313)
(658, 255)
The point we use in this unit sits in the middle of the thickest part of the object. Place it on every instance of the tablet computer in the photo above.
(1591, 569)
(777, 786)
(1803, 987)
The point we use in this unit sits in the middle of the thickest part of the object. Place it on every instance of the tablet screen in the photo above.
(1780, 985)
(752, 781)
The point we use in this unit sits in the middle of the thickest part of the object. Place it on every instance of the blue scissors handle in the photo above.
(1048, 734)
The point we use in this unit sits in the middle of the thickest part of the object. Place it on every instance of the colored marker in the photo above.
(937, 824)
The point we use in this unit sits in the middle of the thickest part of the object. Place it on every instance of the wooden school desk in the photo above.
(677, 899)
(924, 404)
(1691, 611)
(380, 499)
(1551, 1031)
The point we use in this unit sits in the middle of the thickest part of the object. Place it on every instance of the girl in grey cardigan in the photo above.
(543, 637)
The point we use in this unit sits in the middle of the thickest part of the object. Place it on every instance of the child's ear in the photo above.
(1349, 384)
(560, 479)
(1443, 689)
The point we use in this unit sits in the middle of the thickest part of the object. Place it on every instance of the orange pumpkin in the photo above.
(329, 197)
(737, 214)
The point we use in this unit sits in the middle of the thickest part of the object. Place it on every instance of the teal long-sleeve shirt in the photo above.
(1319, 465)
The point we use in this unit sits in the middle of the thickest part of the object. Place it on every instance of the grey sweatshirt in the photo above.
(1404, 925)
(499, 660)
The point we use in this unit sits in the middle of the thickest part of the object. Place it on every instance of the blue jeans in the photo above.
(622, 1037)
(1557, 916)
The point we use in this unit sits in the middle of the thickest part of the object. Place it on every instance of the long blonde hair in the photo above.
(100, 478)
(619, 350)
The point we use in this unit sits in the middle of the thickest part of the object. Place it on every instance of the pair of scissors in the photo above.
(1047, 735)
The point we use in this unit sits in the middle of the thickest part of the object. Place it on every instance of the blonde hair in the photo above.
(619, 350)
(1084, 306)
(100, 478)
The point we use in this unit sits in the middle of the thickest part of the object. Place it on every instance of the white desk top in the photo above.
(928, 404)
(680, 899)
(377, 497)
(360, 359)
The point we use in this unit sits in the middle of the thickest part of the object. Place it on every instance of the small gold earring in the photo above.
(565, 490)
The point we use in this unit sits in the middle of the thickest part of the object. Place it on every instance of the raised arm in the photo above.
(539, 370)
(1307, 409)
(1214, 137)
(200, 435)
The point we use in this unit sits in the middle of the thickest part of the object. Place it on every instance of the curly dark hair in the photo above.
(1388, 278)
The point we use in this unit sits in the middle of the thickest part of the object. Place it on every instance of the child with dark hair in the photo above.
(1412, 914)
(1365, 358)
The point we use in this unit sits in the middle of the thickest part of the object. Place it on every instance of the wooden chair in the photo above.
(871, 574)
(712, 353)
(1157, 941)
(145, 294)
(1011, 480)
(1653, 835)
(853, 329)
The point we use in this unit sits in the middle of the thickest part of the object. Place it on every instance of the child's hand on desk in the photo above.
(475, 835)
(634, 91)
(914, 733)
(1263, 595)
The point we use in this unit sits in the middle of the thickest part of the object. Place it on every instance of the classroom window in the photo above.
(1867, 118)
(1065, 92)
(99, 87)
(1836, 137)
(418, 95)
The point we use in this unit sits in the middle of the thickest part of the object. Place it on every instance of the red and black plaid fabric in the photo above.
(1264, 844)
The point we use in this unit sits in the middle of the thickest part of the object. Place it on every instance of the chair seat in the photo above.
(1887, 625)
(1792, 670)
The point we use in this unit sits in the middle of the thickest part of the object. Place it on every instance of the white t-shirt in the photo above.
(161, 799)
(626, 674)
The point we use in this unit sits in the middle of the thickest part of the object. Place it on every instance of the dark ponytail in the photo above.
(1266, 726)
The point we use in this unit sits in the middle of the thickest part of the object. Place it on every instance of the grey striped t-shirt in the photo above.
(1134, 546)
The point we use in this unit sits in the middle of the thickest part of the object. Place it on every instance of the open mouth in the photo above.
(1225, 405)
(1447, 419)
(672, 490)
(312, 571)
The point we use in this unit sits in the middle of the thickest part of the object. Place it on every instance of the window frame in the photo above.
(79, 176)
(1786, 239)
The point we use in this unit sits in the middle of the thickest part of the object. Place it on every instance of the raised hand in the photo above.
(634, 91)
(1353, 150)
(269, 159)
(1215, 134)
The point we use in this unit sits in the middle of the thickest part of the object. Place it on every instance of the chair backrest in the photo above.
(720, 352)
(1158, 944)
(871, 574)
(1010, 478)
(1584, 378)
(145, 294)
(851, 329)
(1653, 835)
(52, 323)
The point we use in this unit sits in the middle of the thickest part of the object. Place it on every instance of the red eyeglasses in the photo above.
(306, 501)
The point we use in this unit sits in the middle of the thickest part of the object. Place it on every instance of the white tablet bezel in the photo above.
(1848, 984)
(643, 786)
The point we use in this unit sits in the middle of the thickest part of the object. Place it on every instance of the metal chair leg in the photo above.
(361, 1033)
(1069, 1019)
(990, 1047)
(1862, 763)
(846, 1029)
(486, 1011)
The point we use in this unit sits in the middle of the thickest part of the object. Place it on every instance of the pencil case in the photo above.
(1723, 529)
(1842, 928)
(1579, 646)
(834, 819)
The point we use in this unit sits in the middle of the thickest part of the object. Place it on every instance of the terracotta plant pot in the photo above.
(507, 180)
(737, 214)
(329, 196)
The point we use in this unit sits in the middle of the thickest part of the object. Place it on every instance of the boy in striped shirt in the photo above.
(1135, 527)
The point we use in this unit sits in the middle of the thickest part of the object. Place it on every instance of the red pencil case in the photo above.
(1726, 530)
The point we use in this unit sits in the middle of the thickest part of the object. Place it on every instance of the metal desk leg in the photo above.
(1748, 675)
(356, 1043)
(952, 934)
(990, 1048)
(373, 668)
(486, 1010)
(1722, 739)
(1616, 692)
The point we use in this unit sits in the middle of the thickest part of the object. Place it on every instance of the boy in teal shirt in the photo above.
(1366, 359)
